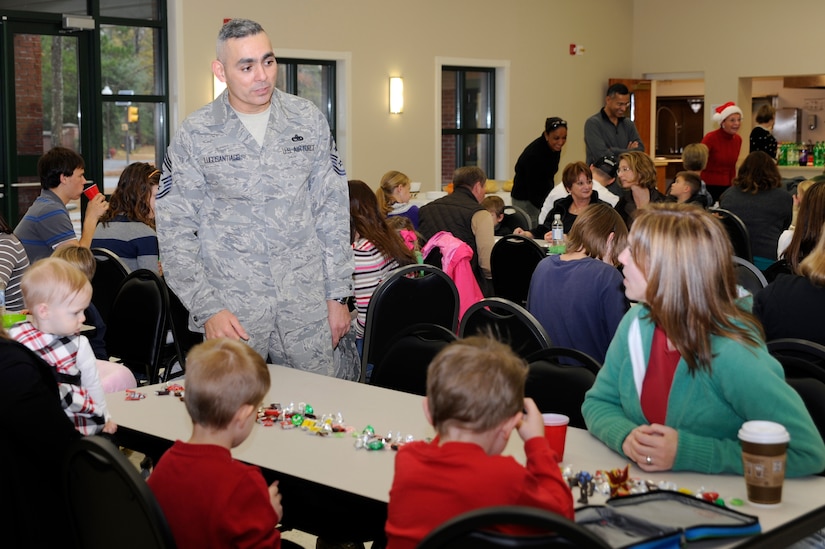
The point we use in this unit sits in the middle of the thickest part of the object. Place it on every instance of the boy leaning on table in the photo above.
(210, 499)
(475, 398)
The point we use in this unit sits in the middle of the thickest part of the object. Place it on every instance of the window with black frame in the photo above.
(467, 119)
(311, 79)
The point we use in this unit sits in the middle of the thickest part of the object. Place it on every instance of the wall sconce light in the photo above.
(217, 87)
(695, 104)
(396, 95)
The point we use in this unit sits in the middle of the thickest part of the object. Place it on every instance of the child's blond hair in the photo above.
(52, 280)
(493, 204)
(475, 383)
(80, 257)
(221, 376)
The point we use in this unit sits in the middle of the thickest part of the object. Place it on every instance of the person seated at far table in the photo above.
(685, 189)
(128, 228)
(637, 175)
(209, 498)
(807, 218)
(377, 250)
(475, 399)
(758, 198)
(688, 366)
(584, 283)
(495, 205)
(394, 194)
(791, 306)
(47, 224)
(461, 214)
(577, 179)
(604, 171)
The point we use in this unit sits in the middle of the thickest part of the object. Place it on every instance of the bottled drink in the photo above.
(558, 231)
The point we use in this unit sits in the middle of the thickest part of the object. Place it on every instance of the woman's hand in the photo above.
(522, 232)
(652, 447)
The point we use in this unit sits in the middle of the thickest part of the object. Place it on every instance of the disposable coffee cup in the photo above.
(91, 191)
(764, 452)
(555, 430)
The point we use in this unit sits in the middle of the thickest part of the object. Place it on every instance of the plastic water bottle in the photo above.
(558, 230)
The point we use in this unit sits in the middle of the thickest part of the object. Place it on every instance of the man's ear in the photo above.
(218, 70)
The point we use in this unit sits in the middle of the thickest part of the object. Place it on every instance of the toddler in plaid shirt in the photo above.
(56, 294)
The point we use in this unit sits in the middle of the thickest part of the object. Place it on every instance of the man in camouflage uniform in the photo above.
(253, 226)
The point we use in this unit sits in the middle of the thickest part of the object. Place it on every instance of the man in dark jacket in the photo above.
(462, 214)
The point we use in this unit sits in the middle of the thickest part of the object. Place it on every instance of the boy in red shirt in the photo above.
(209, 499)
(475, 398)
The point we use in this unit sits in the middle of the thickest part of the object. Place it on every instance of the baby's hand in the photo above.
(110, 427)
(532, 424)
(275, 500)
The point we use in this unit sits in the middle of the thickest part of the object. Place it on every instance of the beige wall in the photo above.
(730, 42)
(389, 37)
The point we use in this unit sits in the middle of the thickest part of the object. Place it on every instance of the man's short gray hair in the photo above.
(236, 28)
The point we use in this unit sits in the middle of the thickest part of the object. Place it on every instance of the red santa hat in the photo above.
(724, 111)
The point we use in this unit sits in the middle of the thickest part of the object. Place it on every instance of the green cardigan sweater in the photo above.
(746, 383)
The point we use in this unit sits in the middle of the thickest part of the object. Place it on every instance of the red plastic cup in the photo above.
(91, 191)
(555, 430)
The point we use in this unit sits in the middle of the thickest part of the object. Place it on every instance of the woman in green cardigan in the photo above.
(688, 366)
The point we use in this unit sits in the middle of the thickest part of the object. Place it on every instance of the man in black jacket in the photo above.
(462, 214)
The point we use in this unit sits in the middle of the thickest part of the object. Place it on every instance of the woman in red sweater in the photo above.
(723, 145)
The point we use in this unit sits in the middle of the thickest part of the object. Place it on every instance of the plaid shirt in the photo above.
(61, 353)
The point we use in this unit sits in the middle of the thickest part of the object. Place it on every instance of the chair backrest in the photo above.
(512, 262)
(812, 392)
(183, 338)
(799, 357)
(136, 330)
(514, 218)
(560, 388)
(413, 294)
(775, 269)
(472, 529)
(506, 321)
(110, 505)
(109, 274)
(404, 364)
(737, 232)
(748, 275)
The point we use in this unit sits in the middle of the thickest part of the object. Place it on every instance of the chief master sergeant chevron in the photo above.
(253, 227)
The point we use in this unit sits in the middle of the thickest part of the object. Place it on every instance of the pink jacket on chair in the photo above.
(455, 261)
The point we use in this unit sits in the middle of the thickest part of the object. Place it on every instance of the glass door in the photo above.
(46, 102)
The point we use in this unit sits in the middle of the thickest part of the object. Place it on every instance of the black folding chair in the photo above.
(109, 274)
(413, 294)
(109, 503)
(515, 218)
(473, 530)
(137, 325)
(404, 364)
(506, 321)
(512, 262)
(737, 232)
(748, 275)
(558, 387)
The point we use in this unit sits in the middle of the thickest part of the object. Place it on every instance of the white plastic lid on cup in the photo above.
(763, 432)
(555, 419)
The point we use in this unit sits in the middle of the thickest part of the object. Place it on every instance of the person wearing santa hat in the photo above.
(723, 145)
